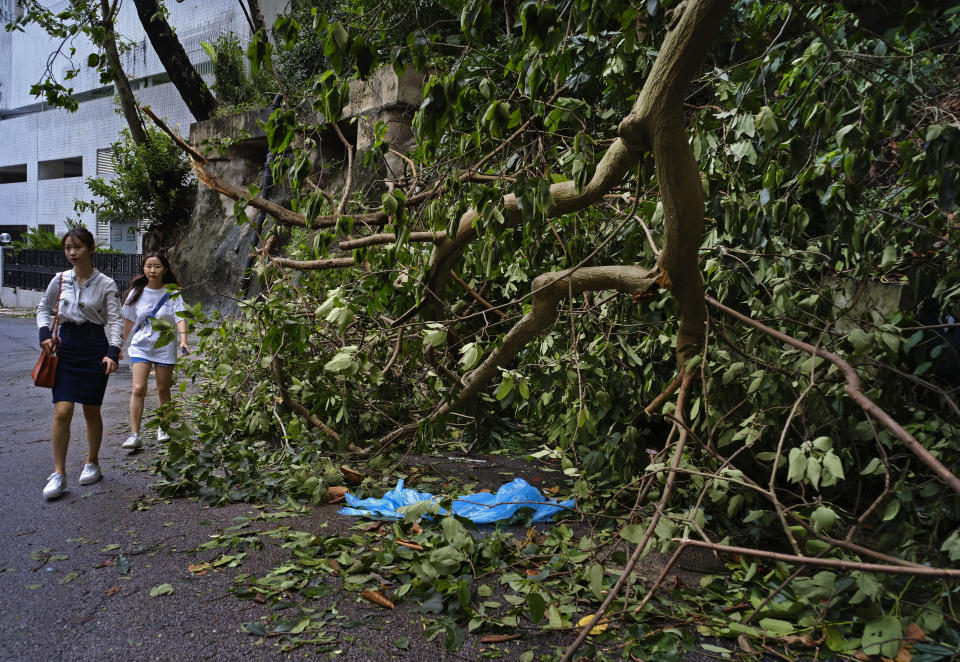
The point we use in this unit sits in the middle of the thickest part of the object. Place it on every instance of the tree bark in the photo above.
(256, 16)
(128, 102)
(188, 82)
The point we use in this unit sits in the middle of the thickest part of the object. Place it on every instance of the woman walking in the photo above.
(88, 347)
(146, 300)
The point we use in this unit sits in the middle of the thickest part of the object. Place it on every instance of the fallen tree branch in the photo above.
(854, 389)
(296, 406)
(313, 265)
(389, 238)
(918, 571)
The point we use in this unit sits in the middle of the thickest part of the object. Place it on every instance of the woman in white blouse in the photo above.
(88, 347)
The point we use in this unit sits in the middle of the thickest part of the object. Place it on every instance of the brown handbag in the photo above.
(45, 372)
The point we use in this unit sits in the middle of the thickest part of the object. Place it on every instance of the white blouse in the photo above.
(97, 301)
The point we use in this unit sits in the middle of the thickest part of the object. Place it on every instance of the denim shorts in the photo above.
(137, 359)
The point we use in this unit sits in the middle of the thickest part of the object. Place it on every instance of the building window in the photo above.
(13, 173)
(105, 162)
(60, 168)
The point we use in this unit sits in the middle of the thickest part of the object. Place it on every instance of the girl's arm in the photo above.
(182, 333)
(127, 328)
(45, 314)
(114, 328)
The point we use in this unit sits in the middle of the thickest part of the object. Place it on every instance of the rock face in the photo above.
(213, 251)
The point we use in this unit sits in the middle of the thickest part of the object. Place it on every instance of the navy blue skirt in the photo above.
(80, 368)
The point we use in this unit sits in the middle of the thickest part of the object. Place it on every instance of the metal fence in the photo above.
(34, 269)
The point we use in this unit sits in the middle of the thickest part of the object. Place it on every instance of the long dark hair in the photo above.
(82, 235)
(138, 283)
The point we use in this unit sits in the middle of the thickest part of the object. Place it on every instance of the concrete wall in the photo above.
(12, 297)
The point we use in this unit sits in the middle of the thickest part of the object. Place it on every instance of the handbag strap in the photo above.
(156, 309)
(56, 317)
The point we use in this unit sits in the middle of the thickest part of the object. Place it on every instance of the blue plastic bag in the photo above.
(481, 508)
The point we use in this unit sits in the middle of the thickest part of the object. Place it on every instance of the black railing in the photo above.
(34, 269)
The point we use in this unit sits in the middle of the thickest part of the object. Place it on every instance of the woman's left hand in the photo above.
(184, 349)
(111, 365)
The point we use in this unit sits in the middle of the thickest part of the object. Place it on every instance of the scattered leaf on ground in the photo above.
(914, 633)
(411, 545)
(69, 578)
(353, 477)
(161, 589)
(377, 598)
(601, 625)
(336, 493)
(113, 590)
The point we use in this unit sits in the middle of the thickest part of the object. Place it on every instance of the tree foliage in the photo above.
(154, 186)
(825, 152)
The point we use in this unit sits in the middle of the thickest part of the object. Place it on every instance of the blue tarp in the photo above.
(481, 508)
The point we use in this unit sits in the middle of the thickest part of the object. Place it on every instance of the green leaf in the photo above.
(633, 533)
(161, 589)
(554, 618)
(823, 518)
(860, 340)
(343, 360)
(435, 335)
(882, 636)
(832, 469)
(254, 628)
(892, 509)
(775, 626)
(506, 385)
(537, 606)
(797, 465)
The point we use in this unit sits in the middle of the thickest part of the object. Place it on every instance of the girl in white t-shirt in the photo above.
(146, 291)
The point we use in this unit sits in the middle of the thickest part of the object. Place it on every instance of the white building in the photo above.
(48, 153)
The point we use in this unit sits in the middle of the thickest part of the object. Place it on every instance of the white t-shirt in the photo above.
(142, 341)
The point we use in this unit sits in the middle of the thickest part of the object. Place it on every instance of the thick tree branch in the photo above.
(168, 48)
(313, 265)
(128, 102)
(550, 289)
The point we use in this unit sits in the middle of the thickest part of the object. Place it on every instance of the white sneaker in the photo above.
(162, 435)
(132, 442)
(91, 474)
(56, 485)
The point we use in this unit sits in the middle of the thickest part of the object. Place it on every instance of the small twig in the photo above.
(479, 299)
(667, 392)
